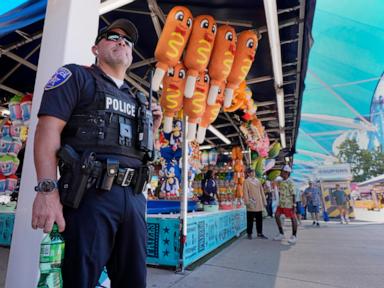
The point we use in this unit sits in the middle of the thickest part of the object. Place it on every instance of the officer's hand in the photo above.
(46, 210)
(157, 114)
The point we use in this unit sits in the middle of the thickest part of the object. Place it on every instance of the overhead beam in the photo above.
(340, 98)
(156, 16)
(312, 163)
(142, 63)
(282, 24)
(22, 42)
(264, 112)
(18, 59)
(336, 121)
(327, 133)
(299, 60)
(317, 144)
(19, 64)
(265, 103)
(110, 5)
(10, 90)
(316, 154)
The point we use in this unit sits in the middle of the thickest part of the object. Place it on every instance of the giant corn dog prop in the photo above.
(172, 42)
(221, 60)
(172, 96)
(199, 50)
(210, 115)
(194, 107)
(245, 54)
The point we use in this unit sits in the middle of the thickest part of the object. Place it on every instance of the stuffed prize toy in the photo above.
(8, 164)
(3, 183)
(26, 106)
(11, 184)
(199, 49)
(204, 158)
(172, 42)
(210, 115)
(6, 129)
(212, 157)
(194, 107)
(15, 110)
(221, 60)
(176, 137)
(245, 54)
(15, 131)
(171, 99)
(5, 144)
(15, 147)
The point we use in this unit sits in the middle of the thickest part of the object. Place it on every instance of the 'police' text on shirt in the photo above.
(120, 106)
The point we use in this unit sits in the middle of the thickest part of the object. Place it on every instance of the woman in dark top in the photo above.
(209, 187)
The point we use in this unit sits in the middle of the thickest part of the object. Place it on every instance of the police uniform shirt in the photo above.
(72, 88)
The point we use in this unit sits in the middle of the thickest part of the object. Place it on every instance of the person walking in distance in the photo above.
(254, 200)
(313, 195)
(287, 205)
(341, 199)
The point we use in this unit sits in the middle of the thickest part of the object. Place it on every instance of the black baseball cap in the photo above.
(123, 24)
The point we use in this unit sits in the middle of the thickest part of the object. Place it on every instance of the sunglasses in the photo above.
(115, 37)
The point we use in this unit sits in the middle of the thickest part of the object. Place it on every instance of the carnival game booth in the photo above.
(371, 194)
(329, 176)
(208, 225)
(275, 34)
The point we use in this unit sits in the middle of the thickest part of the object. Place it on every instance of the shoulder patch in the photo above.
(59, 78)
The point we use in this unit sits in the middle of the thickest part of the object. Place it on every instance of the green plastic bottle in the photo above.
(51, 258)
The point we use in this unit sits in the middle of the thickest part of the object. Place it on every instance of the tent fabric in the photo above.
(23, 15)
(344, 71)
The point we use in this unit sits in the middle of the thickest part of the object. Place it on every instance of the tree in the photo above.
(365, 164)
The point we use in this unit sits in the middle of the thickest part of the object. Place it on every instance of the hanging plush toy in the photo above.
(199, 49)
(11, 184)
(245, 54)
(171, 99)
(3, 183)
(6, 129)
(205, 158)
(5, 144)
(26, 106)
(212, 157)
(194, 107)
(210, 115)
(15, 110)
(8, 164)
(243, 100)
(221, 60)
(171, 184)
(176, 136)
(172, 42)
(240, 98)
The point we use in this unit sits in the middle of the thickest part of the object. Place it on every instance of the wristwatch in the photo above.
(46, 185)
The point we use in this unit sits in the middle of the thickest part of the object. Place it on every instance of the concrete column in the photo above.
(70, 29)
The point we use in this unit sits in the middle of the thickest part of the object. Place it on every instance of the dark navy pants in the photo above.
(108, 229)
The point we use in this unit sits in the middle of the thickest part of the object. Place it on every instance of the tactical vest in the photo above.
(108, 125)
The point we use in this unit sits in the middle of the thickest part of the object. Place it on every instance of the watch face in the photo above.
(46, 186)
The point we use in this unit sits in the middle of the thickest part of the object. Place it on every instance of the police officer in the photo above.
(92, 108)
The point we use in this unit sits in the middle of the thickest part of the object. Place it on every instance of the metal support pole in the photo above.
(184, 197)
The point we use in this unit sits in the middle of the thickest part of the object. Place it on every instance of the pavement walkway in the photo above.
(333, 255)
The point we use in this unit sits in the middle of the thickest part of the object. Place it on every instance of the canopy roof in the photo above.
(20, 50)
(344, 72)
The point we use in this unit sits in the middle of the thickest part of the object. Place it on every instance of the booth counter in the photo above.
(206, 231)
